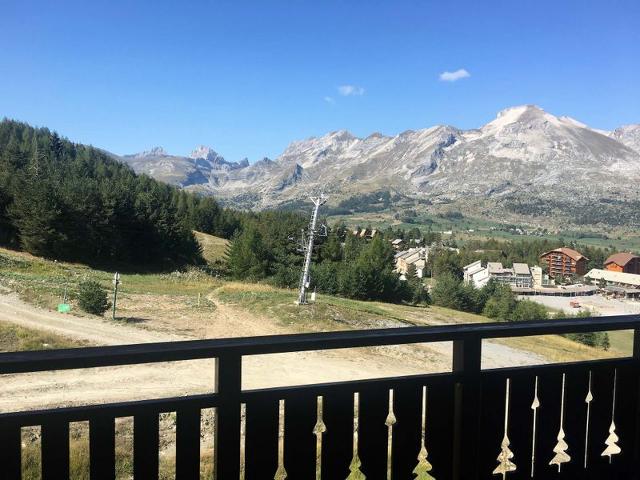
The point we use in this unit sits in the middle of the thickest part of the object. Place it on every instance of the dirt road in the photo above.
(93, 330)
(65, 388)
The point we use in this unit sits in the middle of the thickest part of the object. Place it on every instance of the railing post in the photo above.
(227, 432)
(467, 355)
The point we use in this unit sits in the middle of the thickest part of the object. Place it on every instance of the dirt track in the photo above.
(30, 391)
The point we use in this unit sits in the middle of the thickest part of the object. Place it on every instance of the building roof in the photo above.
(624, 290)
(412, 255)
(397, 241)
(621, 258)
(473, 268)
(495, 267)
(521, 269)
(570, 252)
(614, 277)
(472, 265)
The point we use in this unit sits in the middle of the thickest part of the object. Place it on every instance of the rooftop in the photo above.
(521, 269)
(621, 258)
(570, 252)
(614, 277)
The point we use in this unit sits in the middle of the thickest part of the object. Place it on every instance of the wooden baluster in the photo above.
(228, 387)
(11, 441)
(102, 448)
(467, 357)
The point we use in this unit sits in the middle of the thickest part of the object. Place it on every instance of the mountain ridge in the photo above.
(524, 149)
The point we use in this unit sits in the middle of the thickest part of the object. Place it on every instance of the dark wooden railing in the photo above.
(575, 421)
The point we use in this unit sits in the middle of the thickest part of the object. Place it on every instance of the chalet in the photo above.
(414, 256)
(564, 262)
(623, 262)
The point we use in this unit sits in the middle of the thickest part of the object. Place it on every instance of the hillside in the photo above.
(70, 201)
(195, 305)
(213, 248)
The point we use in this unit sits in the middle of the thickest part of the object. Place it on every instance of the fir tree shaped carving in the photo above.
(560, 450)
(505, 465)
(423, 467)
(354, 467)
(612, 440)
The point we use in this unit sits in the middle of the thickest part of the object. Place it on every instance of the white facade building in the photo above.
(519, 276)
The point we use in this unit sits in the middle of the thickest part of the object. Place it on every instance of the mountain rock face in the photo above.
(201, 167)
(628, 135)
(524, 151)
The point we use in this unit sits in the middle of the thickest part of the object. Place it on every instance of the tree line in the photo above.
(445, 260)
(497, 301)
(344, 264)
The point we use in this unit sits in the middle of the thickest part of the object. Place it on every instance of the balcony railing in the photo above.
(575, 421)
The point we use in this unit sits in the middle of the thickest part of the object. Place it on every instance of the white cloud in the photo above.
(330, 100)
(350, 90)
(454, 76)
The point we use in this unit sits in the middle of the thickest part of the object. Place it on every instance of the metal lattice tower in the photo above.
(307, 247)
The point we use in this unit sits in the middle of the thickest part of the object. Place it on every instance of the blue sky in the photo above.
(247, 78)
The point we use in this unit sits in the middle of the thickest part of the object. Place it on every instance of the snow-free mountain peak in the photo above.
(202, 151)
(530, 116)
(152, 152)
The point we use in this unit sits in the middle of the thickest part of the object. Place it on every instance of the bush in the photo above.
(529, 310)
(591, 339)
(93, 298)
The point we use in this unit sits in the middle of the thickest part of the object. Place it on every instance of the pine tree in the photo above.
(247, 257)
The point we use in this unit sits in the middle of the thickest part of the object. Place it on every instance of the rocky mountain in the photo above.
(628, 135)
(200, 167)
(523, 151)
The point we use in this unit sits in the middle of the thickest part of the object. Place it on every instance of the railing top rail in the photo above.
(20, 362)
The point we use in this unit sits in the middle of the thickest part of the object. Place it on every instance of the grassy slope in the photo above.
(333, 313)
(213, 248)
(43, 282)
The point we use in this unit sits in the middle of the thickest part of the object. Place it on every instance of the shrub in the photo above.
(93, 298)
(529, 310)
